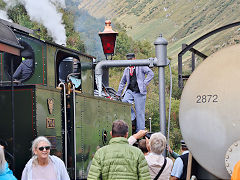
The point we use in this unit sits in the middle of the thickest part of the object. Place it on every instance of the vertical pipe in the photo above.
(13, 115)
(99, 84)
(161, 54)
(193, 61)
(162, 109)
(180, 79)
(150, 124)
(74, 136)
(65, 120)
(105, 76)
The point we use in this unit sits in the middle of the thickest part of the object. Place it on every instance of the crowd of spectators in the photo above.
(120, 159)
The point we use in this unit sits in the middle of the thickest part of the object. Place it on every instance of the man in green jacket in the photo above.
(119, 160)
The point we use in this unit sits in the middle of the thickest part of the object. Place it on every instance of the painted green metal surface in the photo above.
(51, 74)
(43, 95)
(94, 116)
(24, 124)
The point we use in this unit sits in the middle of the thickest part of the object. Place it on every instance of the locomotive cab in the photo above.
(23, 65)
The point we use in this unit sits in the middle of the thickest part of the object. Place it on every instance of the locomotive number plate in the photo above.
(50, 123)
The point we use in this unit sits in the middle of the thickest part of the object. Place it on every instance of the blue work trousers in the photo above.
(139, 100)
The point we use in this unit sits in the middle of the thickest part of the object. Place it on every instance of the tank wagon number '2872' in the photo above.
(55, 98)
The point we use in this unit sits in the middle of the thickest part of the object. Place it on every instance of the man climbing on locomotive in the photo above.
(136, 89)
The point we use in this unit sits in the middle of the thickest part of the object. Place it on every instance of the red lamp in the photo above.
(108, 39)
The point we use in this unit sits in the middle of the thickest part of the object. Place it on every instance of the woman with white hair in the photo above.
(5, 172)
(159, 166)
(42, 165)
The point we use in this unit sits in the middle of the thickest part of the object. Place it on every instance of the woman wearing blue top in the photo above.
(5, 172)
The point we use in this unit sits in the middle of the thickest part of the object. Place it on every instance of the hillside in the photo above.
(180, 21)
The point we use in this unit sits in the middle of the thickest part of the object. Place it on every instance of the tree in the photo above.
(73, 38)
(19, 15)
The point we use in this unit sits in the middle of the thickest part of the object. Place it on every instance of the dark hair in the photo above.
(119, 128)
(183, 145)
(142, 145)
(148, 135)
(130, 56)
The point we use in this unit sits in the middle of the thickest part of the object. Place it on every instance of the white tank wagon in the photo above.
(209, 114)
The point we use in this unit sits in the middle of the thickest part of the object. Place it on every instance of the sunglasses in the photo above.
(44, 147)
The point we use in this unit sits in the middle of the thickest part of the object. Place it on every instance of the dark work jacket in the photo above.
(24, 70)
(184, 158)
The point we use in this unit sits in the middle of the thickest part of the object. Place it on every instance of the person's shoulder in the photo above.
(6, 165)
(29, 163)
(169, 160)
(142, 67)
(178, 160)
(135, 149)
(103, 149)
(58, 162)
(184, 155)
(56, 159)
(126, 68)
(149, 157)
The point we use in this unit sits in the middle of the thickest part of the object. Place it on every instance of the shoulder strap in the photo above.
(161, 170)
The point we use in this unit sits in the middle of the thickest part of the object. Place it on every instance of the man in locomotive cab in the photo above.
(135, 90)
(119, 160)
(25, 69)
(70, 71)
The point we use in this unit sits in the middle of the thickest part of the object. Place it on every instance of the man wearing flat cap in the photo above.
(136, 89)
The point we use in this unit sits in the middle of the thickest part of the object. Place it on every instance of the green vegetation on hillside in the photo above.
(125, 44)
(180, 21)
(18, 14)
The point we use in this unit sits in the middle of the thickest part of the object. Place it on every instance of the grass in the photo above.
(187, 20)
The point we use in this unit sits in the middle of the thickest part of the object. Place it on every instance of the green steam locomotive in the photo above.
(54, 98)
